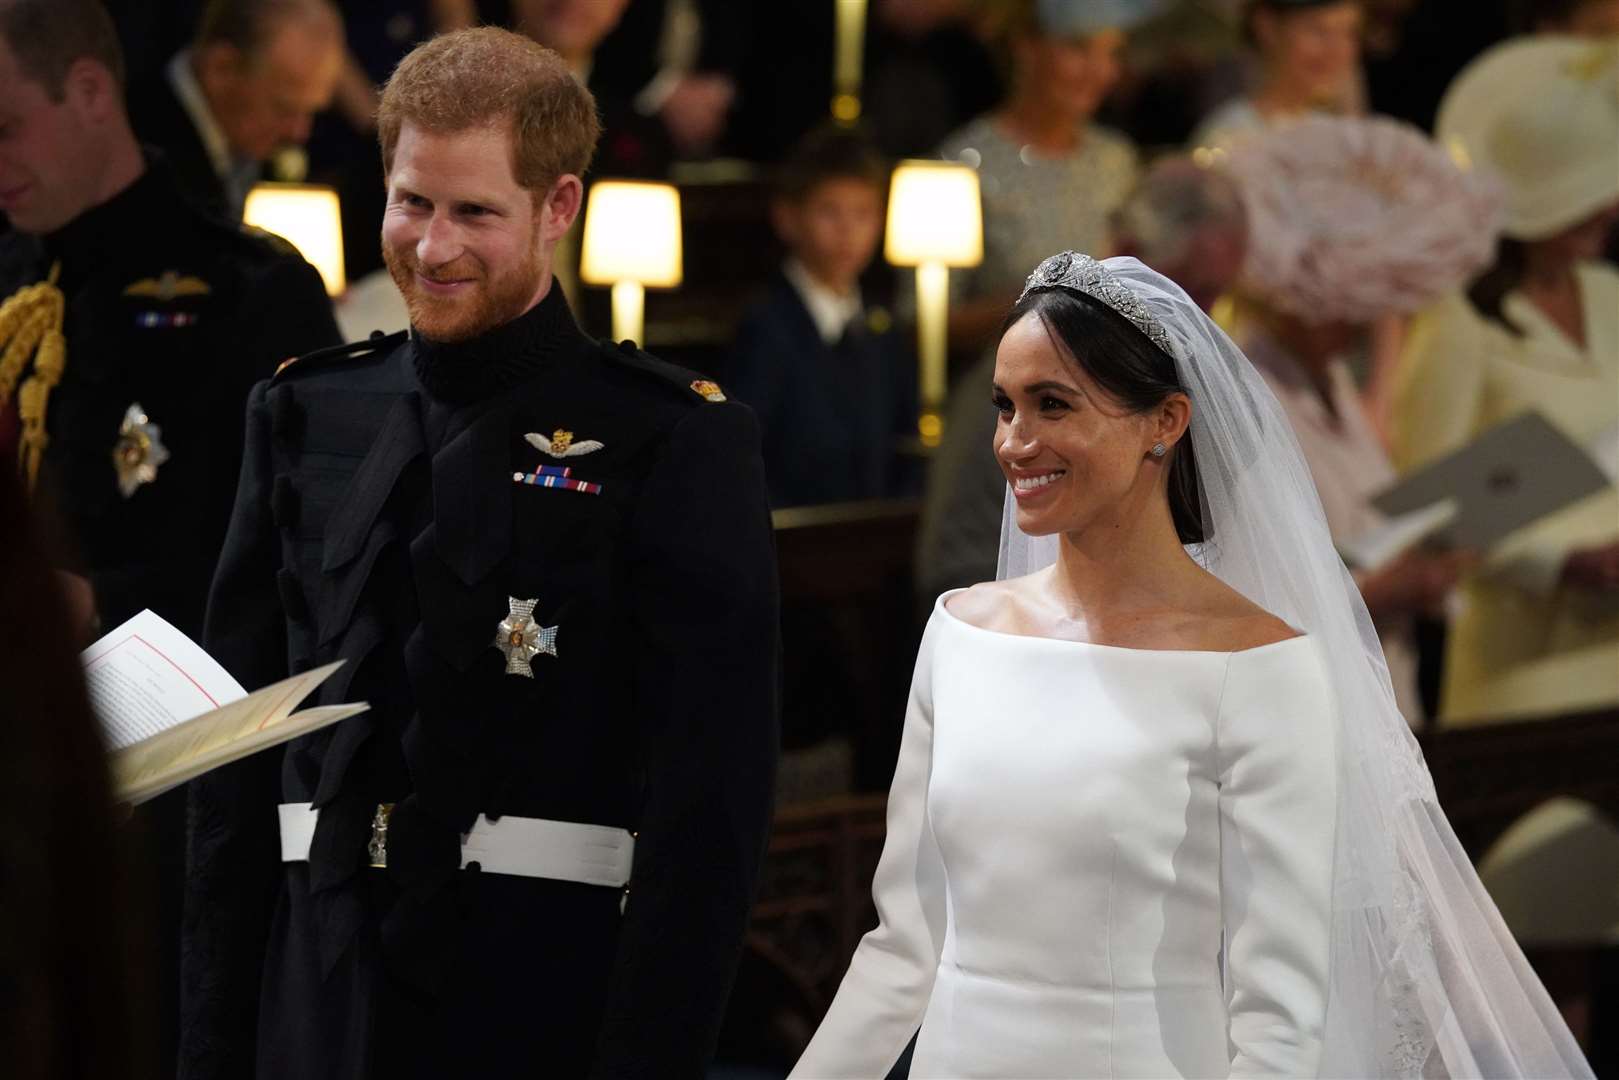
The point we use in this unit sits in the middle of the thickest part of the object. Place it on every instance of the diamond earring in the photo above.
(1159, 450)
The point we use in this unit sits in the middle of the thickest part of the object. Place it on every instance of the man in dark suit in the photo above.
(548, 565)
(248, 86)
(144, 324)
(834, 390)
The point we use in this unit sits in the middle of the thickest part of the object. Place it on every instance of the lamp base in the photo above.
(629, 312)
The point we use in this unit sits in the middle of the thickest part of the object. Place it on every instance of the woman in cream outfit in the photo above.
(1143, 825)
(1539, 629)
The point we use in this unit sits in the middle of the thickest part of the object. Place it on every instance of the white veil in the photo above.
(1425, 978)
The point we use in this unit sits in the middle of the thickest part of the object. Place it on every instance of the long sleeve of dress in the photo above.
(1278, 819)
(885, 992)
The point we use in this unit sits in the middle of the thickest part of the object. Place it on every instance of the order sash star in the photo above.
(521, 639)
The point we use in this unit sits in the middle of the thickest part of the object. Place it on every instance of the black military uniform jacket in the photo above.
(180, 313)
(384, 518)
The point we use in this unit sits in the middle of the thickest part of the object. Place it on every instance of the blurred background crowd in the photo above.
(1403, 210)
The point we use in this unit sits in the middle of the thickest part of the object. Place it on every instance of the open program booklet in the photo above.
(169, 712)
(1510, 477)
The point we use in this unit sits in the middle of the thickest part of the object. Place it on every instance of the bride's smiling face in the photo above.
(1076, 457)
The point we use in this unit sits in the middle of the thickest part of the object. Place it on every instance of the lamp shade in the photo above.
(307, 217)
(632, 233)
(934, 215)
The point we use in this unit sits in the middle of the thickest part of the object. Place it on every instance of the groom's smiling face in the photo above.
(460, 235)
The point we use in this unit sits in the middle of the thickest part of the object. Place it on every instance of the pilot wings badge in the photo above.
(169, 285)
(561, 444)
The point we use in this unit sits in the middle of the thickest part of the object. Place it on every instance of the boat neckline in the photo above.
(950, 616)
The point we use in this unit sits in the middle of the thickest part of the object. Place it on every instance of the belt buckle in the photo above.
(377, 848)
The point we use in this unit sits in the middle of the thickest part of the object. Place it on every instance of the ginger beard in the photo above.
(478, 302)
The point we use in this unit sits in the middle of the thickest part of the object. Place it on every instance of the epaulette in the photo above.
(688, 381)
(274, 241)
(378, 344)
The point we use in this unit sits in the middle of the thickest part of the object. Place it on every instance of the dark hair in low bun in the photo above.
(1122, 361)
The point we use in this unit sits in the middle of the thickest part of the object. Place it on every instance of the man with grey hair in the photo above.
(1183, 220)
(1187, 222)
(248, 87)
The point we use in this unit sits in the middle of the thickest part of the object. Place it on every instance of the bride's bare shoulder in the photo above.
(1235, 623)
(989, 605)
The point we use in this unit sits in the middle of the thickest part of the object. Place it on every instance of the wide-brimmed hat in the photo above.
(1351, 218)
(1542, 114)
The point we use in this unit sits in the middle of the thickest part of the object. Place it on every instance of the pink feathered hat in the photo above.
(1354, 218)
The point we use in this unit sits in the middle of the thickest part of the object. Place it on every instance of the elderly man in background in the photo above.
(1184, 221)
(246, 89)
(1187, 223)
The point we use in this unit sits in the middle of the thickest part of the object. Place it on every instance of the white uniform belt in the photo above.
(526, 847)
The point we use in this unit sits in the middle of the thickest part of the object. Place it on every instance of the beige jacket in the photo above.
(1523, 645)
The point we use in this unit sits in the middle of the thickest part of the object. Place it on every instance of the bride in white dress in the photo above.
(1156, 813)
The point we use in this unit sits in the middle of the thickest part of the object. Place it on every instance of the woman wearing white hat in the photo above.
(1539, 632)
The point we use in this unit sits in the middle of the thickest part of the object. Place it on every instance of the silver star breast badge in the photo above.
(139, 451)
(562, 444)
(522, 639)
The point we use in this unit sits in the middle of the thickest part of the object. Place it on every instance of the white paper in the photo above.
(262, 719)
(1373, 549)
(146, 677)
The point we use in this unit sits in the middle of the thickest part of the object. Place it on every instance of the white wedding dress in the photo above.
(1100, 862)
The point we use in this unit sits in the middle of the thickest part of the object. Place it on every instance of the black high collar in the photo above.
(110, 230)
(462, 372)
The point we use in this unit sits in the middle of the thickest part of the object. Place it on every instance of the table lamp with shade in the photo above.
(631, 242)
(935, 222)
(306, 216)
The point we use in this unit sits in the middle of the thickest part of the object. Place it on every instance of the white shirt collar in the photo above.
(830, 312)
(186, 87)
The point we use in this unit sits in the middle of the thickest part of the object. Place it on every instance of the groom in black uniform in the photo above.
(548, 565)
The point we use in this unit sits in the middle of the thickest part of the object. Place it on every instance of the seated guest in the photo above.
(833, 390)
(1538, 331)
(1048, 174)
(1185, 222)
(248, 86)
(1335, 245)
(1309, 59)
(655, 69)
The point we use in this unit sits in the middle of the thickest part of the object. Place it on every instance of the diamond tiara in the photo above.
(1072, 270)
